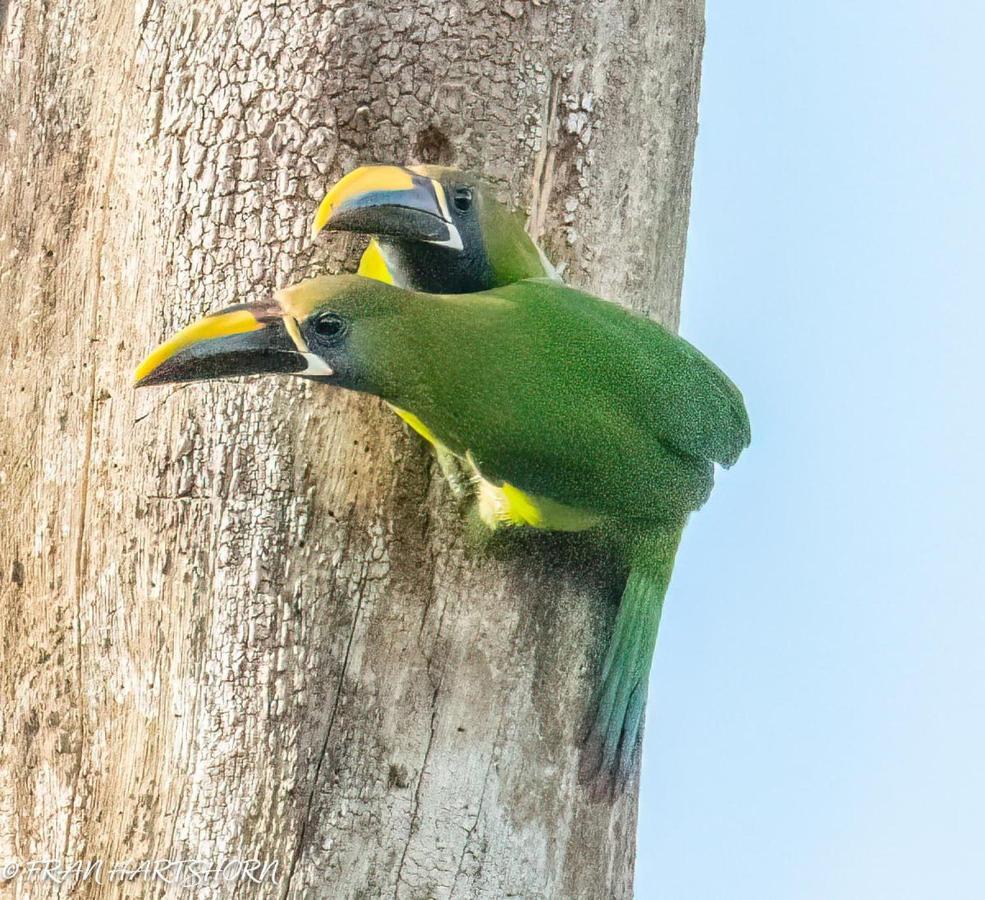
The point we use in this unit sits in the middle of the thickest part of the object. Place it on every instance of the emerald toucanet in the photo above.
(435, 229)
(573, 412)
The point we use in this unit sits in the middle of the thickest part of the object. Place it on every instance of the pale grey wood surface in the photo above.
(246, 618)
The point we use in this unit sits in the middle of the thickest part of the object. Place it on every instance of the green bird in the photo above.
(573, 414)
(438, 230)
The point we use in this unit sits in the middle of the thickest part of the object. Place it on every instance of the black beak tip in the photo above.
(153, 379)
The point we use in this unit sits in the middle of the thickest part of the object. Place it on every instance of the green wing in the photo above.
(687, 401)
(572, 398)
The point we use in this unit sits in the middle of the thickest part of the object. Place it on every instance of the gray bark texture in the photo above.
(246, 619)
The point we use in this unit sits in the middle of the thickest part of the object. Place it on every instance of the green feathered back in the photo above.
(557, 392)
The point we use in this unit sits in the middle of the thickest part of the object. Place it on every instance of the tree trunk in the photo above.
(245, 619)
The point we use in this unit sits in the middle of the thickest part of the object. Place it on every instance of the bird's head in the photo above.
(444, 228)
(333, 329)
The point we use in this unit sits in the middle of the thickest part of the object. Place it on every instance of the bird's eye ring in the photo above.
(462, 198)
(328, 326)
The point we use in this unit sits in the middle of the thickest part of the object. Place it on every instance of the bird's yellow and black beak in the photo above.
(247, 339)
(389, 201)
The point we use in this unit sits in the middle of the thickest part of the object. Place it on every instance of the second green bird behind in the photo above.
(572, 412)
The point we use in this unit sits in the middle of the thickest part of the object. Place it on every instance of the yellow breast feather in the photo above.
(506, 504)
(373, 265)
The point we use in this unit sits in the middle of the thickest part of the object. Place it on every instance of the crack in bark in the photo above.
(415, 812)
(309, 806)
(78, 561)
(478, 811)
(542, 181)
(79, 558)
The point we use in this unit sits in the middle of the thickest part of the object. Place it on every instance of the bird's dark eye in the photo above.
(329, 325)
(462, 198)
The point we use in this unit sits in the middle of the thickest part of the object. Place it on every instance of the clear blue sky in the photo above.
(816, 726)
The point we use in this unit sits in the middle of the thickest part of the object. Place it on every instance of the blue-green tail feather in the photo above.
(610, 750)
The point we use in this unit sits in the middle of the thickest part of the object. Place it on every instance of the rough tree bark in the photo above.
(244, 618)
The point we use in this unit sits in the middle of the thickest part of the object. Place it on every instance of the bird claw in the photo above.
(451, 469)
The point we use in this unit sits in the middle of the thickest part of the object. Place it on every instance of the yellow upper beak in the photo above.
(359, 182)
(219, 325)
